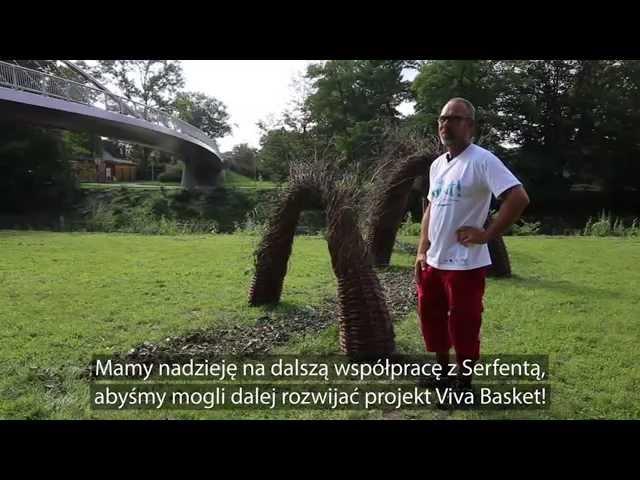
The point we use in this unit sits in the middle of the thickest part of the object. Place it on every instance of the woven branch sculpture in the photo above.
(364, 322)
(388, 203)
(500, 263)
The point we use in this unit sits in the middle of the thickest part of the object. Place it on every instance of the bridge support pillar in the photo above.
(200, 174)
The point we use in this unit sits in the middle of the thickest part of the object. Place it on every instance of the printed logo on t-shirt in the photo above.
(458, 260)
(446, 194)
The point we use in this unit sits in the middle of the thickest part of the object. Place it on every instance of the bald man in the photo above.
(453, 256)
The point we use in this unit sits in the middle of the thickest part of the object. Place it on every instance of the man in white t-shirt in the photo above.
(452, 253)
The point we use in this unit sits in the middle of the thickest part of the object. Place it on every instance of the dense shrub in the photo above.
(173, 174)
(606, 225)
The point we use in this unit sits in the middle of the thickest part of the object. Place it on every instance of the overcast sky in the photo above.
(252, 90)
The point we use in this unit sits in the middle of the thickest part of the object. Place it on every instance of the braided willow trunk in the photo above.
(500, 263)
(273, 253)
(364, 322)
(389, 199)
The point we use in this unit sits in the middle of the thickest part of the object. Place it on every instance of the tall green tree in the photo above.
(535, 104)
(605, 110)
(243, 159)
(153, 83)
(476, 80)
(36, 173)
(78, 144)
(352, 101)
(204, 112)
(278, 148)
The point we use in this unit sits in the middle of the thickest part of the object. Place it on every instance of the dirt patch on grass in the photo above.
(277, 328)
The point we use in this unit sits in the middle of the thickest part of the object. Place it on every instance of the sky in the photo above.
(252, 90)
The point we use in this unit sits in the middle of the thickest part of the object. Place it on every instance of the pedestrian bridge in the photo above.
(35, 97)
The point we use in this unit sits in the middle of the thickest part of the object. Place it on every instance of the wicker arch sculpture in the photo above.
(388, 203)
(388, 200)
(500, 263)
(363, 318)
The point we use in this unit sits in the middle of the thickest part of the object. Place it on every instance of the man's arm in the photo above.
(423, 244)
(515, 201)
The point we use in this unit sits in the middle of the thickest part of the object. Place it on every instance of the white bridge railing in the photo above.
(20, 78)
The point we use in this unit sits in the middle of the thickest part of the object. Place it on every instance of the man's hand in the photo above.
(472, 235)
(421, 264)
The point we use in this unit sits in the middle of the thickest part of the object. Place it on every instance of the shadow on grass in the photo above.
(561, 286)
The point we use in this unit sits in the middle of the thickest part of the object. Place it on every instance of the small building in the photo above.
(106, 169)
(112, 169)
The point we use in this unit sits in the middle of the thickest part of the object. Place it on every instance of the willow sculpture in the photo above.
(500, 263)
(388, 202)
(364, 322)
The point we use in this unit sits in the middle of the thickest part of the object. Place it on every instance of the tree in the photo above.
(353, 100)
(242, 159)
(36, 173)
(297, 116)
(206, 113)
(476, 80)
(620, 82)
(287, 139)
(278, 148)
(604, 109)
(535, 104)
(77, 144)
(153, 83)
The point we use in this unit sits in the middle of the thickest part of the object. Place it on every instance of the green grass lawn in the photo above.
(235, 180)
(231, 180)
(65, 297)
(141, 185)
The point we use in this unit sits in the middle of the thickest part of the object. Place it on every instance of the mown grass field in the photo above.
(235, 180)
(231, 180)
(67, 296)
(141, 185)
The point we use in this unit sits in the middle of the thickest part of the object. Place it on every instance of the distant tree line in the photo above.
(558, 124)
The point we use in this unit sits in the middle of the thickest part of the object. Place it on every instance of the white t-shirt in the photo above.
(460, 195)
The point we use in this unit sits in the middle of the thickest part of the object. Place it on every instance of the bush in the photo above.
(408, 228)
(198, 227)
(526, 228)
(312, 222)
(606, 226)
(151, 217)
(172, 174)
(251, 225)
(159, 206)
(599, 227)
(101, 219)
(185, 196)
